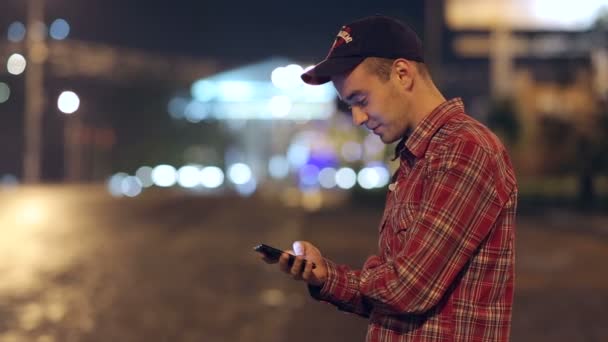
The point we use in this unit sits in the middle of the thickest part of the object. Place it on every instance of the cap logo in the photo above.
(343, 37)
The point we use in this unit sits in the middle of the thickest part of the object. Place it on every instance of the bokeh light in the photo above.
(309, 175)
(196, 111)
(383, 173)
(211, 177)
(16, 32)
(5, 92)
(16, 64)
(368, 178)
(177, 107)
(68, 102)
(60, 29)
(164, 176)
(188, 176)
(239, 174)
(131, 186)
(346, 178)
(115, 184)
(327, 178)
(144, 174)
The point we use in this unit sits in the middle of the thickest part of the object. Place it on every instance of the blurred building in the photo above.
(282, 133)
(260, 107)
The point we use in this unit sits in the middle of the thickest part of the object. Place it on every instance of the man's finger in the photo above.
(284, 263)
(307, 274)
(296, 269)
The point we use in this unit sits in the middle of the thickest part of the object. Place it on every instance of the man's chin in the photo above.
(387, 140)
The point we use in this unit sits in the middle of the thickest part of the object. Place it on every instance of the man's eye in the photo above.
(344, 107)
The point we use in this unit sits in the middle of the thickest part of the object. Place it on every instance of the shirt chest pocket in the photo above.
(402, 216)
(399, 218)
(407, 196)
(402, 208)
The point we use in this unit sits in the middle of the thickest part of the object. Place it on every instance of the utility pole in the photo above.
(37, 53)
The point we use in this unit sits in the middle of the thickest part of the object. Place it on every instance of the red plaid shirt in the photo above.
(444, 271)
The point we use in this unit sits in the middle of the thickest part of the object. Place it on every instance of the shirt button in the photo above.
(392, 186)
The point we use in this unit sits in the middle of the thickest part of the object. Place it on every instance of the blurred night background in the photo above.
(147, 146)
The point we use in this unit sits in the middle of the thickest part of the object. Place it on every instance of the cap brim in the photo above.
(323, 72)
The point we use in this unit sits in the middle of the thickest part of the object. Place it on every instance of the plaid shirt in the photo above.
(444, 271)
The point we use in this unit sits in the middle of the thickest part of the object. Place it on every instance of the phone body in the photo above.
(275, 253)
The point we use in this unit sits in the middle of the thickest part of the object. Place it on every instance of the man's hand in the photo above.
(304, 250)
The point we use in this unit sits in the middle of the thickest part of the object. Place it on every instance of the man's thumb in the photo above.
(298, 248)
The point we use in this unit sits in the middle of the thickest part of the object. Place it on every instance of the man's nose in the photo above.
(359, 116)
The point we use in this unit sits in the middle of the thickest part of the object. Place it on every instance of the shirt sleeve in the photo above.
(459, 206)
(342, 288)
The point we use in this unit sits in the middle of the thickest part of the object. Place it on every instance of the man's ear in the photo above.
(404, 72)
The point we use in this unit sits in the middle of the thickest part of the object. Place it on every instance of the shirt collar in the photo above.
(418, 141)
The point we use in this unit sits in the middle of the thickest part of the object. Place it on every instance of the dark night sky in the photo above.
(232, 30)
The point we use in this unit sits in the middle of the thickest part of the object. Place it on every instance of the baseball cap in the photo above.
(374, 36)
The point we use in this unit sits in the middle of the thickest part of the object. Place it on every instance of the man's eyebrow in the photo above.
(353, 95)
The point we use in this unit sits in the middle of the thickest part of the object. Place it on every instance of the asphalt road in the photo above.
(79, 265)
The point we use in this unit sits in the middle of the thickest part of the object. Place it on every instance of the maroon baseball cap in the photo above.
(375, 36)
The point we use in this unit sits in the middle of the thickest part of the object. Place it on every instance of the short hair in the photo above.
(382, 67)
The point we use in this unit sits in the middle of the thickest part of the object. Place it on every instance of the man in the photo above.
(444, 269)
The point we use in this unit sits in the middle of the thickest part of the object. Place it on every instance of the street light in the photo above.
(68, 103)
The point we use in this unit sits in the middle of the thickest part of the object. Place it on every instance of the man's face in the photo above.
(381, 106)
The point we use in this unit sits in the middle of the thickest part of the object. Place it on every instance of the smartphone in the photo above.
(274, 254)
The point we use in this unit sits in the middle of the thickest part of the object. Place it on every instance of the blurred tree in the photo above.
(502, 119)
(593, 148)
(572, 149)
(558, 137)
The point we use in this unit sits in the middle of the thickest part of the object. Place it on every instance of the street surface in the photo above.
(79, 265)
